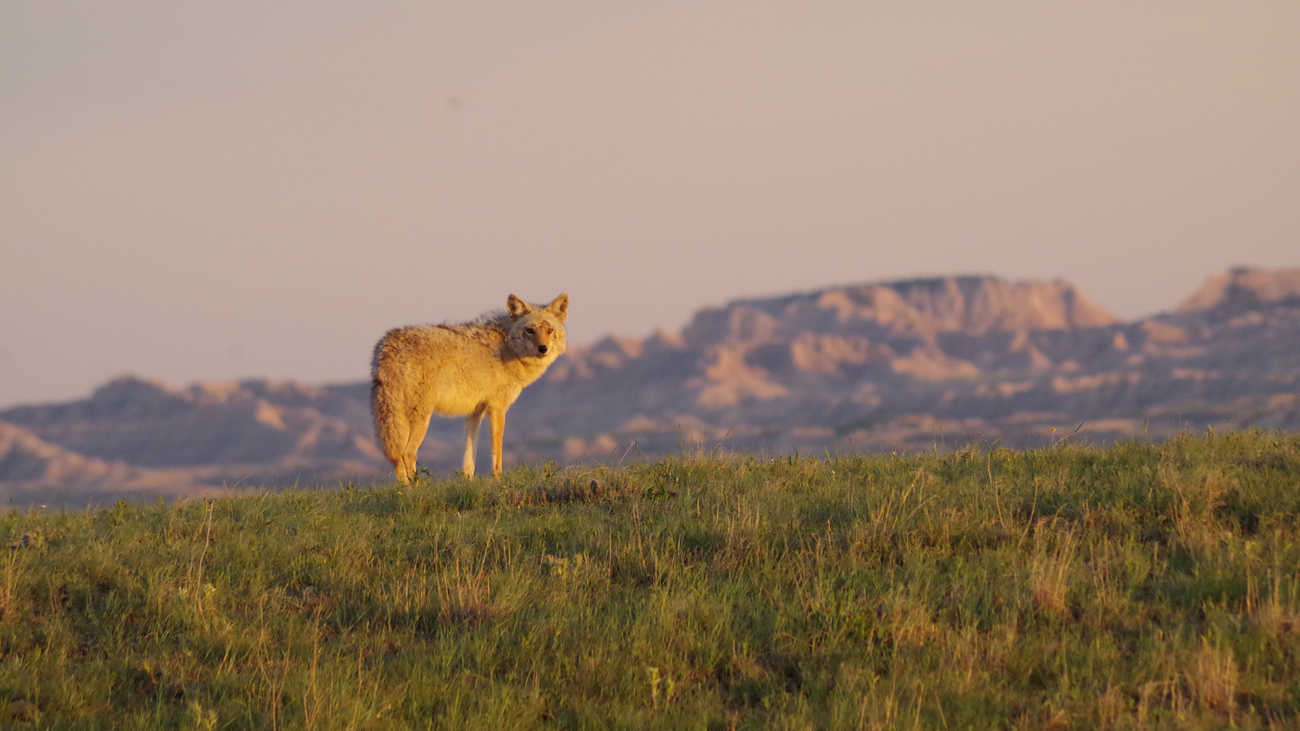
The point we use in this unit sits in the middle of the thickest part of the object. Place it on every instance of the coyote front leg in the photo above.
(471, 439)
(497, 417)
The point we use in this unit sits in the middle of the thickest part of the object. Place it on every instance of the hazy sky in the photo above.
(199, 191)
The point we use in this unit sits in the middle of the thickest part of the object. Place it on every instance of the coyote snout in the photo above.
(470, 369)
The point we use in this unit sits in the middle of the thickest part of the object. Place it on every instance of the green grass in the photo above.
(1134, 586)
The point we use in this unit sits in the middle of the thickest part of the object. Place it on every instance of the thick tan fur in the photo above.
(470, 370)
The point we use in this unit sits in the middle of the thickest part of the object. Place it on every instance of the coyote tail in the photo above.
(391, 429)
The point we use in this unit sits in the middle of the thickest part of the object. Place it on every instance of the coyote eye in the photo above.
(530, 331)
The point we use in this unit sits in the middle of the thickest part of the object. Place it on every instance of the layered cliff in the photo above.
(906, 364)
(893, 366)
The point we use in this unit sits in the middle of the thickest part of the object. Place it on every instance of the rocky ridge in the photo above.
(892, 366)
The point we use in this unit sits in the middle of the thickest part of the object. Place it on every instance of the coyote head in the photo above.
(537, 332)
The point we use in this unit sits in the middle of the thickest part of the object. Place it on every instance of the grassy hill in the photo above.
(1140, 585)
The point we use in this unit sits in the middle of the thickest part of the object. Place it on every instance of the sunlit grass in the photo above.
(1125, 587)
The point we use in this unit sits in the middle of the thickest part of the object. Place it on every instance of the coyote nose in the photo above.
(541, 350)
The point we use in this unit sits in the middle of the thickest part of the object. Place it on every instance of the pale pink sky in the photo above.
(200, 191)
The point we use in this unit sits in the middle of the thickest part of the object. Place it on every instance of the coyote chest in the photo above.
(470, 370)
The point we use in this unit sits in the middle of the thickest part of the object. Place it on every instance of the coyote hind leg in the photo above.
(419, 425)
(406, 468)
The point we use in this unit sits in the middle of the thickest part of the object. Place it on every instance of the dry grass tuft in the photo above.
(1212, 678)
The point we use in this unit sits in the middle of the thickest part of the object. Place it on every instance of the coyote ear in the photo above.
(559, 307)
(517, 307)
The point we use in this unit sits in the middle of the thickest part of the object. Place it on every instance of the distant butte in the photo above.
(909, 365)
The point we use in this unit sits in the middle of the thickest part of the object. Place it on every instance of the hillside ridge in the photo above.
(880, 366)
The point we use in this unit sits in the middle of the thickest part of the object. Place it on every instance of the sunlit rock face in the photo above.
(1245, 289)
(891, 366)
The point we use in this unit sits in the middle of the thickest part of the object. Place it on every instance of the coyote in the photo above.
(469, 369)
